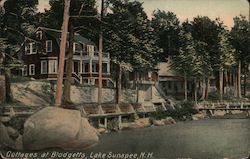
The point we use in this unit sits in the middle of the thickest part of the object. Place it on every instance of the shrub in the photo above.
(183, 109)
(113, 125)
(17, 123)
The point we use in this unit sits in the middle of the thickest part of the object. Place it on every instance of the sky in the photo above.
(187, 9)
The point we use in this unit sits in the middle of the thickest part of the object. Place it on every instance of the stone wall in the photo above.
(37, 93)
(2, 89)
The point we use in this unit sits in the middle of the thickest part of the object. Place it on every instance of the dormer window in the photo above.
(31, 48)
(77, 48)
(39, 35)
(49, 46)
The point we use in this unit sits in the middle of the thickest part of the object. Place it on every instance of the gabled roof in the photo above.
(165, 70)
(57, 34)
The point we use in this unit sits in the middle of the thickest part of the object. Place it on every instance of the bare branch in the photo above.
(84, 16)
(77, 29)
(22, 34)
(14, 14)
(80, 12)
(91, 17)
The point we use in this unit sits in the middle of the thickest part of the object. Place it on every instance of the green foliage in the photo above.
(129, 38)
(167, 27)
(185, 109)
(182, 111)
(88, 27)
(113, 125)
(240, 34)
(18, 19)
(19, 79)
(185, 61)
(17, 123)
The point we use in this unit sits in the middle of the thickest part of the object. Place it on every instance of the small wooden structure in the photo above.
(226, 107)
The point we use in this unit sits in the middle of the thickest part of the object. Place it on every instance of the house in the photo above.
(170, 82)
(40, 54)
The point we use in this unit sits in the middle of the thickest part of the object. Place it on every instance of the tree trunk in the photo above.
(207, 88)
(245, 78)
(221, 84)
(226, 78)
(69, 64)
(185, 87)
(239, 80)
(59, 86)
(8, 95)
(100, 58)
(235, 84)
(119, 85)
(230, 78)
(137, 87)
(195, 90)
(203, 88)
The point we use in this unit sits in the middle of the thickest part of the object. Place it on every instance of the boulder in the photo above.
(169, 120)
(219, 113)
(194, 118)
(158, 122)
(13, 133)
(141, 123)
(198, 116)
(102, 130)
(54, 127)
(128, 126)
(5, 140)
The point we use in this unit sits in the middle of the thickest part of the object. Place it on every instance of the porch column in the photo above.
(108, 67)
(90, 70)
(81, 67)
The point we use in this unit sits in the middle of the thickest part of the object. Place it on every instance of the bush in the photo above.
(17, 123)
(186, 109)
(182, 110)
(18, 79)
(113, 125)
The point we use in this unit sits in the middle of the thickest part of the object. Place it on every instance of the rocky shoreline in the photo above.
(148, 122)
(13, 138)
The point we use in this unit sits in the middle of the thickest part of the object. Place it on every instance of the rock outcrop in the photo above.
(141, 123)
(54, 127)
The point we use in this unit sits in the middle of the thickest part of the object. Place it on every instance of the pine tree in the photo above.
(130, 40)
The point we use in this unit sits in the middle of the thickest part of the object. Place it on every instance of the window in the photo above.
(104, 67)
(49, 46)
(77, 48)
(31, 48)
(52, 66)
(34, 49)
(27, 48)
(90, 49)
(85, 67)
(25, 70)
(39, 35)
(95, 67)
(32, 69)
(44, 68)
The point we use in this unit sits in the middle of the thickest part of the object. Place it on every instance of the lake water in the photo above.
(210, 138)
